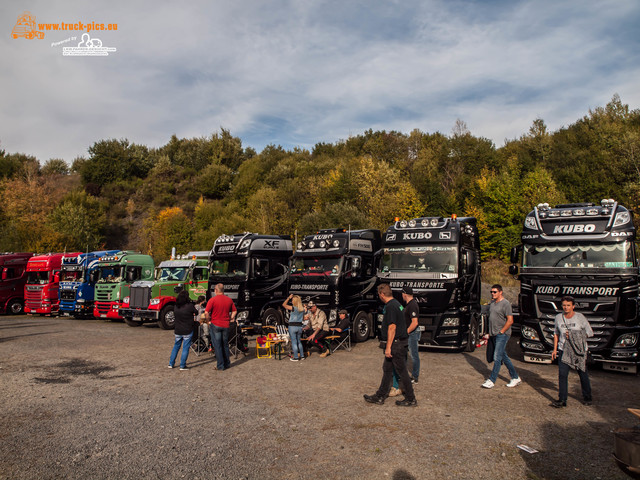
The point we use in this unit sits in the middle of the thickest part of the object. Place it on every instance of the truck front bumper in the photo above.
(144, 315)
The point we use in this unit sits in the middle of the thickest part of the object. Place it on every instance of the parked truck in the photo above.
(76, 288)
(153, 301)
(43, 282)
(586, 251)
(113, 278)
(13, 277)
(440, 259)
(253, 269)
(336, 268)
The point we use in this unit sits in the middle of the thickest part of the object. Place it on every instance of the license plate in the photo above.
(104, 315)
(421, 328)
(535, 359)
(137, 319)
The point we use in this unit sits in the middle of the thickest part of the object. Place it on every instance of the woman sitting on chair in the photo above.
(295, 326)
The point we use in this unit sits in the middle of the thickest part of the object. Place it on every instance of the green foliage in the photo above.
(55, 166)
(112, 160)
(333, 215)
(79, 221)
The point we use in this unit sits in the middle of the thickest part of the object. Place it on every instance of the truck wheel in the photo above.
(271, 316)
(472, 340)
(167, 319)
(361, 327)
(15, 307)
(132, 323)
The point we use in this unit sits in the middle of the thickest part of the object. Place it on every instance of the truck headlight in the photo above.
(627, 340)
(530, 334)
(333, 314)
(154, 301)
(125, 300)
(380, 318)
(80, 300)
(242, 316)
(451, 322)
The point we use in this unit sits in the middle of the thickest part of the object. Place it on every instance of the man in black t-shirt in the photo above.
(394, 332)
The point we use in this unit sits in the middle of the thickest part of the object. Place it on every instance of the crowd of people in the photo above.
(399, 334)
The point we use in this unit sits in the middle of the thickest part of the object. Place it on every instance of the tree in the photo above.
(112, 160)
(169, 228)
(79, 221)
(55, 166)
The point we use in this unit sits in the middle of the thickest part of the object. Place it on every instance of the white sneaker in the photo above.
(488, 384)
(514, 382)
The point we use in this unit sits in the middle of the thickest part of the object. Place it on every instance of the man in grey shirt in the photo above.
(500, 321)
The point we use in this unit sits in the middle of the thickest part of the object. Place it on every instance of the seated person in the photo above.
(202, 319)
(341, 326)
(317, 323)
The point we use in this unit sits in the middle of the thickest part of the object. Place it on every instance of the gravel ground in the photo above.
(93, 399)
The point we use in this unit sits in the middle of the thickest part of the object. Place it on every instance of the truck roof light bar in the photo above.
(420, 222)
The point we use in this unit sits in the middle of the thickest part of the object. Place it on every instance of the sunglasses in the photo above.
(494, 291)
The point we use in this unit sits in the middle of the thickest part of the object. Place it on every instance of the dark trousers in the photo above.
(318, 341)
(563, 381)
(398, 361)
(221, 346)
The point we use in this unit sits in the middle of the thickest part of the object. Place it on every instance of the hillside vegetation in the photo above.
(189, 191)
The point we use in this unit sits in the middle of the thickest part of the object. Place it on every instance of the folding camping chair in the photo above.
(236, 342)
(342, 340)
(198, 341)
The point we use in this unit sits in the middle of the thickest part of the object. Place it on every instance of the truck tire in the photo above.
(15, 307)
(472, 339)
(271, 316)
(167, 320)
(132, 323)
(361, 329)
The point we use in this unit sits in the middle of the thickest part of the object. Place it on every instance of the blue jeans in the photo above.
(221, 346)
(296, 343)
(500, 357)
(185, 349)
(563, 380)
(414, 337)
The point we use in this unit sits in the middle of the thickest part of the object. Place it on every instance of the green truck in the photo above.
(153, 301)
(113, 279)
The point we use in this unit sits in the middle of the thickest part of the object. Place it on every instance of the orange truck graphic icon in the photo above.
(26, 27)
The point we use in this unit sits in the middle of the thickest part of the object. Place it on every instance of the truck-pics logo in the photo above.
(88, 47)
(26, 27)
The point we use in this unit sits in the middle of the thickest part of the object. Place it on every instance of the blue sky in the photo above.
(295, 73)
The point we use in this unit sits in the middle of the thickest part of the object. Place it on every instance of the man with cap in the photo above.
(411, 312)
(317, 323)
(341, 326)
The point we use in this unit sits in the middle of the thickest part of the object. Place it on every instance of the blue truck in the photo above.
(76, 287)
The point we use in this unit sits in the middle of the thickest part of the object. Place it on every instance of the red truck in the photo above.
(13, 276)
(43, 278)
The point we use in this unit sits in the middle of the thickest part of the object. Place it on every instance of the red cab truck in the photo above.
(43, 278)
(13, 276)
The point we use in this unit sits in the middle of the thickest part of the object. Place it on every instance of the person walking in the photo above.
(185, 312)
(220, 311)
(411, 313)
(295, 326)
(394, 332)
(570, 348)
(500, 321)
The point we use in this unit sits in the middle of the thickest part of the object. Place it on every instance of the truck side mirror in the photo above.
(5, 273)
(177, 288)
(131, 275)
(94, 276)
(513, 269)
(56, 277)
(514, 253)
(469, 265)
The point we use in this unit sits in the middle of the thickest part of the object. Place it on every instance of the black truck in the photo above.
(586, 251)
(336, 268)
(253, 269)
(440, 259)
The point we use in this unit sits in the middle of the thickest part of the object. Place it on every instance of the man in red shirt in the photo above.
(221, 310)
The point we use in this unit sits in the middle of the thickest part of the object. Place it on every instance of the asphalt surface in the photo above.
(95, 399)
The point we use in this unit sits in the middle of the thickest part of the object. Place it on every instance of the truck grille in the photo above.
(33, 297)
(103, 308)
(68, 294)
(139, 297)
(103, 295)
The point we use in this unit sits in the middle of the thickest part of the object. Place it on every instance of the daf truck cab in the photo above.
(586, 251)
(336, 268)
(440, 259)
(253, 269)
(113, 278)
(43, 283)
(76, 288)
(13, 277)
(153, 301)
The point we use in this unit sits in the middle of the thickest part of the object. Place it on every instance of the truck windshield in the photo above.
(433, 258)
(177, 274)
(71, 275)
(580, 255)
(232, 267)
(110, 274)
(326, 266)
(38, 278)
